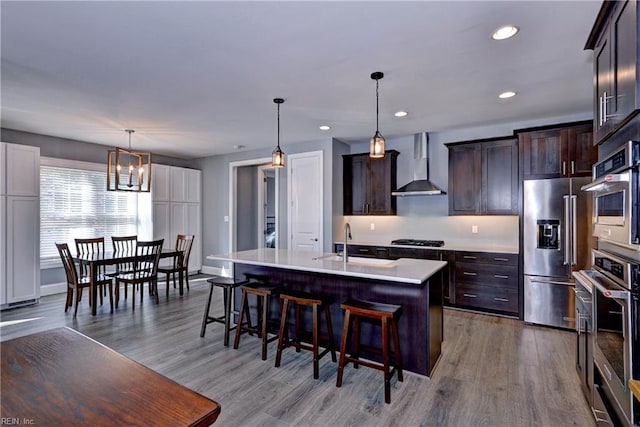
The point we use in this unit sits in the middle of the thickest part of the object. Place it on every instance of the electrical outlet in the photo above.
(373, 226)
(226, 218)
(474, 229)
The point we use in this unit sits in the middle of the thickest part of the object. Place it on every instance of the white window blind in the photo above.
(74, 203)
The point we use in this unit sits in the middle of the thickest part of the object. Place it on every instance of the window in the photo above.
(74, 203)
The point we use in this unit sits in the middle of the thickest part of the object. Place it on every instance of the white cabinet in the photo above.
(3, 259)
(23, 170)
(19, 224)
(22, 254)
(194, 180)
(176, 208)
(185, 219)
(185, 185)
(161, 212)
(161, 182)
(3, 185)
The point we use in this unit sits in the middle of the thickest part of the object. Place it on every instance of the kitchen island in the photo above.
(414, 284)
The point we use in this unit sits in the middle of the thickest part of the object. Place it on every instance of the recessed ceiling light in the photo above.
(401, 114)
(505, 32)
(325, 127)
(507, 94)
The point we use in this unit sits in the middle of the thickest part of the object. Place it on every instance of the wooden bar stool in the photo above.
(263, 292)
(387, 314)
(317, 303)
(228, 284)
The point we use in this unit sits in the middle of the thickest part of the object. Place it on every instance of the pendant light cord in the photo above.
(377, 96)
(278, 126)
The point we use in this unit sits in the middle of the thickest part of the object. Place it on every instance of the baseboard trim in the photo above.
(216, 271)
(52, 289)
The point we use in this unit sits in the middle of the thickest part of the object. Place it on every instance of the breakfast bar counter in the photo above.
(414, 284)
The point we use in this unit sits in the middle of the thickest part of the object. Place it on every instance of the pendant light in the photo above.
(277, 156)
(376, 146)
(126, 169)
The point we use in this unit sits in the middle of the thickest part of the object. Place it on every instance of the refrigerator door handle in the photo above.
(567, 219)
(574, 231)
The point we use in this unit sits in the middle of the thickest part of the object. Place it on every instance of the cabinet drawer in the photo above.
(364, 251)
(503, 276)
(432, 254)
(487, 258)
(487, 297)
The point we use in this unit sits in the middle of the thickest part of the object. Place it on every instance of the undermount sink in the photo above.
(374, 262)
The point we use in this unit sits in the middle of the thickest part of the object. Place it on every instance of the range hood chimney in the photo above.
(421, 185)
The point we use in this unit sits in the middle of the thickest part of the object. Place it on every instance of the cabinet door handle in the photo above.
(500, 276)
(361, 250)
(604, 107)
(600, 111)
(469, 257)
(470, 295)
(501, 259)
(501, 299)
(573, 167)
(599, 419)
(564, 168)
(467, 273)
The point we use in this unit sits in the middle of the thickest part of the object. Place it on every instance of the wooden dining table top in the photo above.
(62, 377)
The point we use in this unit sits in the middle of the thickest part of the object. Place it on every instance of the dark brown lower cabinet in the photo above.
(486, 281)
(482, 281)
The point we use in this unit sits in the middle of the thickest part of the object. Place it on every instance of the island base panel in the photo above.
(420, 324)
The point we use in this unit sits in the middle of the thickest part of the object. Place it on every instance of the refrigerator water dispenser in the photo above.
(548, 232)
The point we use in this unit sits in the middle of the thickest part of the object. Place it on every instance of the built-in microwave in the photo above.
(616, 203)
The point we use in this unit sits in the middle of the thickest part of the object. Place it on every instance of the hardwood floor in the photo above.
(493, 371)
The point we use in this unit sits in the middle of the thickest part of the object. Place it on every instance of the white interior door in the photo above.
(305, 187)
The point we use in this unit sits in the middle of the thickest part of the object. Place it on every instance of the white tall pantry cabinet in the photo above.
(19, 224)
(176, 207)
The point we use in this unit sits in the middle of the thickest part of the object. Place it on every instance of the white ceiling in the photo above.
(196, 78)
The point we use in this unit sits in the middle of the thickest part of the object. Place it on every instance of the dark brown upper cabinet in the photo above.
(557, 152)
(483, 177)
(614, 41)
(368, 183)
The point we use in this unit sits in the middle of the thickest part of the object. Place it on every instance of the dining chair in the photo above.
(184, 242)
(123, 245)
(89, 247)
(145, 270)
(76, 283)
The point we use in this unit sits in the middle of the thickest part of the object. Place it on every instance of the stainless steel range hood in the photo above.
(421, 185)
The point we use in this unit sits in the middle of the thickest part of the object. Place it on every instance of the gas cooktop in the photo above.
(415, 242)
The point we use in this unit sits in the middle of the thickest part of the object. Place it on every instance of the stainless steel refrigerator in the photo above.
(557, 240)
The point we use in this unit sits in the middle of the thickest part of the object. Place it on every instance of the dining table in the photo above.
(62, 377)
(95, 260)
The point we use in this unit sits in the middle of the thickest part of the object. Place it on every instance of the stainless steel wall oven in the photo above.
(615, 283)
(616, 208)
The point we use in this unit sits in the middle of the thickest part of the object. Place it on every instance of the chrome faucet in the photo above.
(347, 237)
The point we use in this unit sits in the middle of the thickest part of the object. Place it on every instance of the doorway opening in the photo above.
(266, 209)
(253, 204)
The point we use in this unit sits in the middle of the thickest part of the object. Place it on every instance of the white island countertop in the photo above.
(403, 270)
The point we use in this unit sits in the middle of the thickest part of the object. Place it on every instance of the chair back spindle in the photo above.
(94, 246)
